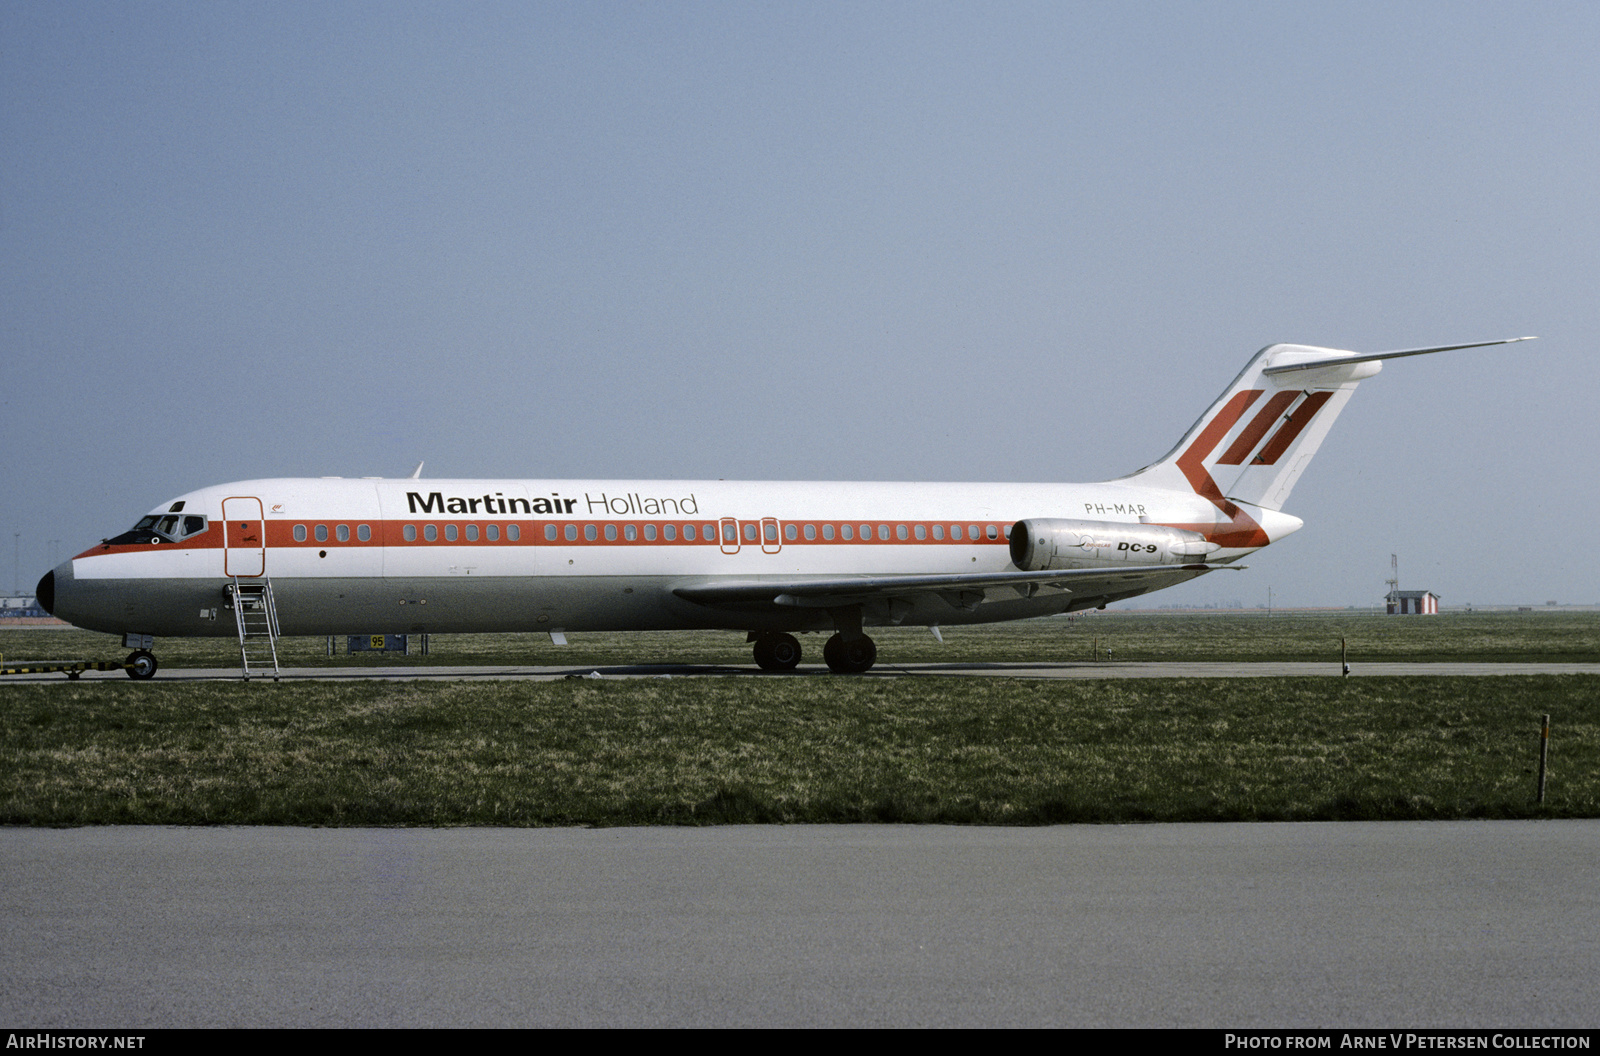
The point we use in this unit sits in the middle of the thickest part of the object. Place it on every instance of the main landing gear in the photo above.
(845, 656)
(850, 656)
(777, 652)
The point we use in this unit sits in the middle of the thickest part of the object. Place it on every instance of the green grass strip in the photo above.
(789, 750)
(1521, 637)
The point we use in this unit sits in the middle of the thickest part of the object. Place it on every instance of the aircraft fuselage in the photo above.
(397, 556)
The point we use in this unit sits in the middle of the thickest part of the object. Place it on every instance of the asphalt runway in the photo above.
(1198, 669)
(1397, 925)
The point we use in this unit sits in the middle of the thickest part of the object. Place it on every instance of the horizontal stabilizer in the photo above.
(1372, 356)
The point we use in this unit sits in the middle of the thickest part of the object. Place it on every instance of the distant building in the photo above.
(1413, 603)
(19, 605)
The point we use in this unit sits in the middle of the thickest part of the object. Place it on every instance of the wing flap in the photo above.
(961, 591)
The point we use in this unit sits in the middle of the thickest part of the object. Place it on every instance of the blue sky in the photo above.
(807, 241)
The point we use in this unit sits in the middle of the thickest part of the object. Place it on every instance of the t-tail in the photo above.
(1247, 451)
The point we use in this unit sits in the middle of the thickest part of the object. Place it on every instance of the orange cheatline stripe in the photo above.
(280, 535)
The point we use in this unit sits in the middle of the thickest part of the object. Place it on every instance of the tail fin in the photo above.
(1258, 437)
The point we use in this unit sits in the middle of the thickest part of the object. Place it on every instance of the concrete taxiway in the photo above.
(1459, 924)
(1180, 669)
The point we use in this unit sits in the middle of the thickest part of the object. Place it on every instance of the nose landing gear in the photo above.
(141, 664)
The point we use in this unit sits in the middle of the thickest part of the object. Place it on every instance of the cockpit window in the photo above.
(158, 528)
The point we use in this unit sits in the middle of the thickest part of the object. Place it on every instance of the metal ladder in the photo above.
(257, 617)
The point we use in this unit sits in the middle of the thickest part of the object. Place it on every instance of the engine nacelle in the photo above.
(1045, 543)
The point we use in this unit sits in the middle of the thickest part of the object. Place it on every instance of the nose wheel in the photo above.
(850, 656)
(141, 664)
(777, 652)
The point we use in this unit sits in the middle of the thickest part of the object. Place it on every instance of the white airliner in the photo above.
(373, 556)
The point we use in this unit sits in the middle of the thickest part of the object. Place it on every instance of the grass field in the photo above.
(758, 749)
(1536, 637)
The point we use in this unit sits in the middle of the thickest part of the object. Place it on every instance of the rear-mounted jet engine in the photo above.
(1042, 544)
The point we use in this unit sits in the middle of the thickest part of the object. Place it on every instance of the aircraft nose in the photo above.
(62, 596)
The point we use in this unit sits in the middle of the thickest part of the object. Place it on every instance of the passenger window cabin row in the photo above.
(730, 532)
(341, 532)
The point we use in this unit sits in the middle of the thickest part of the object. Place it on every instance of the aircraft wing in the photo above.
(961, 591)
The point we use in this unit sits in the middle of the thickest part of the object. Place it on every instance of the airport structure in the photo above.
(1413, 603)
(21, 605)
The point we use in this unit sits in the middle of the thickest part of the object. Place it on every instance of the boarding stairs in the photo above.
(257, 617)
